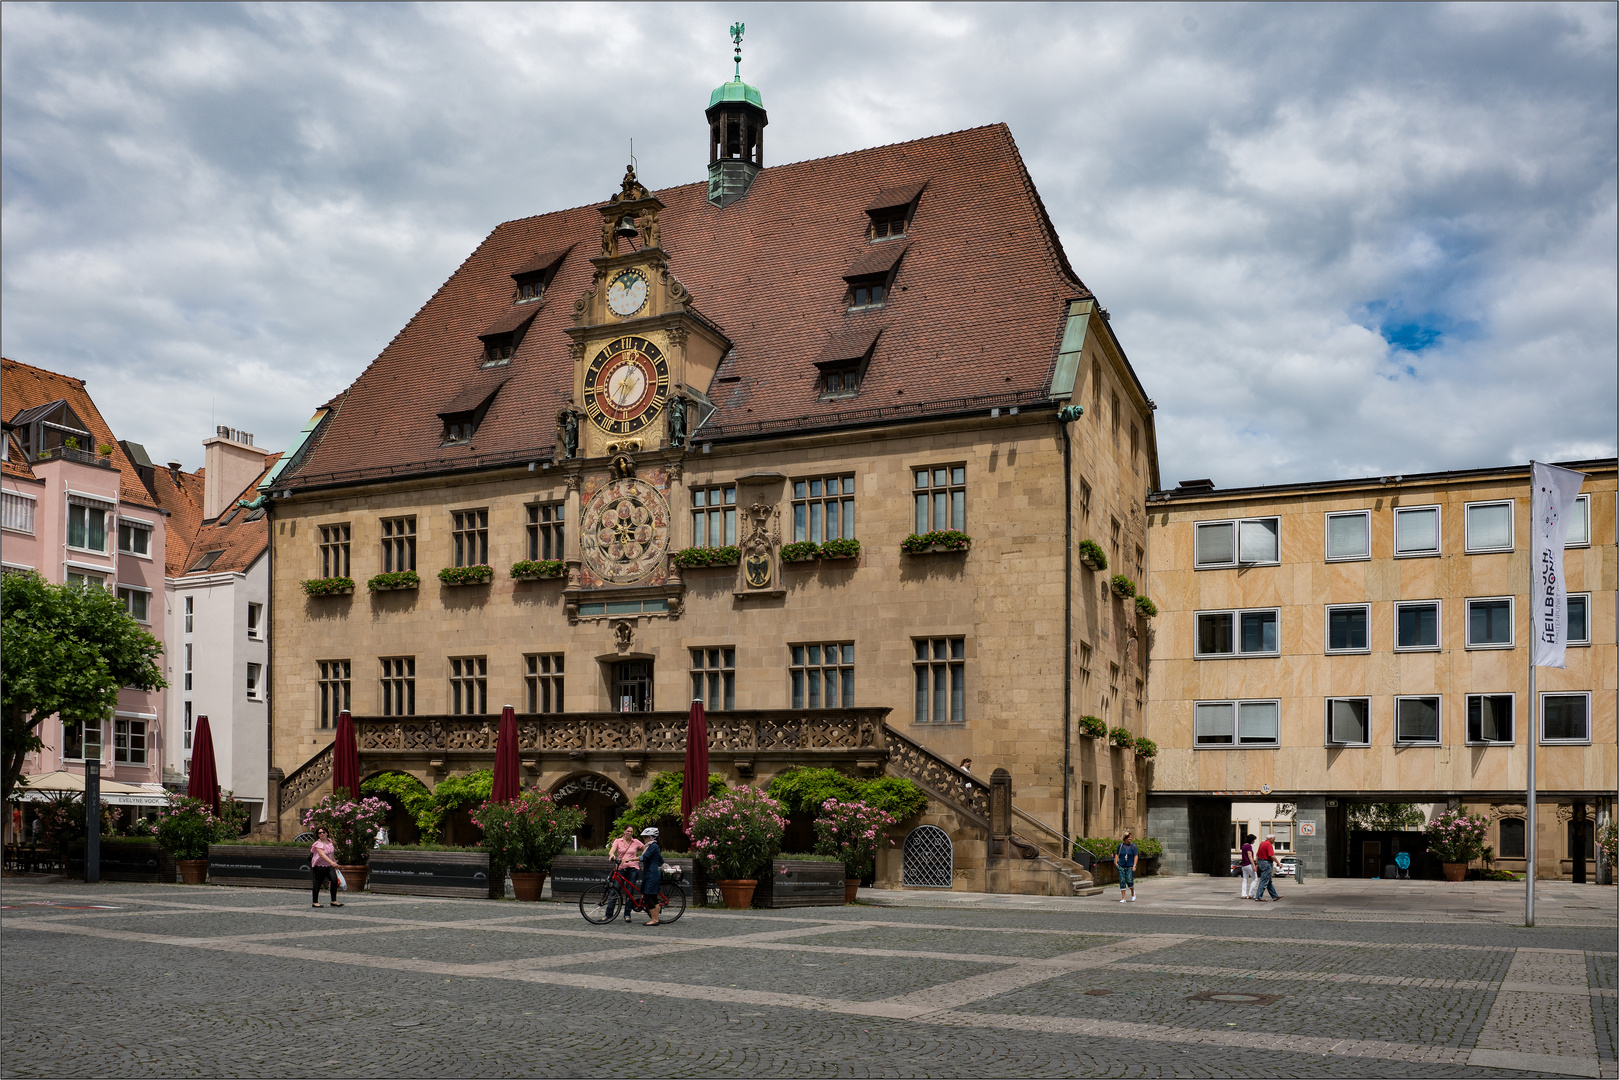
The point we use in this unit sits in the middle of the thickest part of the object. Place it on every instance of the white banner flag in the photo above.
(1551, 505)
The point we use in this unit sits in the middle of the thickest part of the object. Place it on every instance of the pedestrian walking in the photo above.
(323, 865)
(1250, 876)
(1125, 859)
(1266, 858)
(651, 874)
(626, 855)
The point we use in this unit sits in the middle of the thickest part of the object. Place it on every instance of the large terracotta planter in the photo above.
(526, 884)
(193, 871)
(355, 876)
(738, 893)
(851, 886)
(1455, 871)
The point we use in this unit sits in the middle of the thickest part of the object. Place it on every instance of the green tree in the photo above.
(67, 649)
(1386, 817)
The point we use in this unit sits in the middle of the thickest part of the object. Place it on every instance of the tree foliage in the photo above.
(68, 649)
(1385, 817)
(806, 790)
(661, 801)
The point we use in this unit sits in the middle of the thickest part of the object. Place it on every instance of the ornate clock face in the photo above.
(625, 530)
(627, 293)
(626, 385)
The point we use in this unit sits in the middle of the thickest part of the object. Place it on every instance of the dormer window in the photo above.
(466, 410)
(530, 287)
(498, 351)
(867, 294)
(871, 278)
(888, 224)
(535, 275)
(458, 430)
(890, 211)
(843, 382)
(843, 363)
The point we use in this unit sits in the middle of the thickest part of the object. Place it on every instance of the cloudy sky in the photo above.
(1335, 241)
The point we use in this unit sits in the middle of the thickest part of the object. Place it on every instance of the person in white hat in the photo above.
(651, 874)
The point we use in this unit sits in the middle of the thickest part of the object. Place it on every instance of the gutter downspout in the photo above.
(1066, 416)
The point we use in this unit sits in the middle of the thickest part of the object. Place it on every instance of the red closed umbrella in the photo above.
(346, 758)
(506, 785)
(695, 788)
(204, 783)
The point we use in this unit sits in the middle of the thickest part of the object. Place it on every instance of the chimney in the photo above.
(231, 462)
(174, 471)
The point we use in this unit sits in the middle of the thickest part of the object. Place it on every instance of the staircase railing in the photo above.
(306, 778)
(953, 786)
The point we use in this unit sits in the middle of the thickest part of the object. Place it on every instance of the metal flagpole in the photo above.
(1529, 829)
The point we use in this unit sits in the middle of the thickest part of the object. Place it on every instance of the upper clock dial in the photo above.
(626, 385)
(627, 293)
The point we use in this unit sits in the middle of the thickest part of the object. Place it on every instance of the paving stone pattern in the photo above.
(180, 981)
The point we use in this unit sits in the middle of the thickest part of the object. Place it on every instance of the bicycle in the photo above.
(618, 896)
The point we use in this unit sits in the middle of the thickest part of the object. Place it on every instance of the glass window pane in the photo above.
(921, 695)
(1489, 622)
(831, 676)
(798, 655)
(1512, 838)
(798, 689)
(1489, 527)
(939, 477)
(1346, 628)
(1257, 543)
(697, 497)
(730, 527)
(848, 519)
(1416, 530)
(815, 487)
(1258, 722)
(848, 485)
(730, 496)
(1216, 544)
(1579, 524)
(958, 648)
(699, 530)
(848, 689)
(940, 691)
(798, 522)
(1349, 722)
(958, 693)
(815, 521)
(1214, 633)
(921, 513)
(921, 478)
(921, 650)
(958, 475)
(958, 510)
(1212, 724)
(1258, 631)
(1419, 626)
(833, 529)
(1417, 720)
(939, 648)
(814, 654)
(848, 654)
(941, 510)
(697, 687)
(1348, 536)
(814, 678)
(1564, 717)
(1578, 628)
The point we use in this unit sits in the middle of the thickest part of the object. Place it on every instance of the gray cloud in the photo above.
(1335, 240)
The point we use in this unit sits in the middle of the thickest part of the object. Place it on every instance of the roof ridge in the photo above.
(43, 371)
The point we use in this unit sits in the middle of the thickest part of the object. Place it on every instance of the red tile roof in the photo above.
(877, 259)
(974, 316)
(895, 197)
(23, 386)
(241, 541)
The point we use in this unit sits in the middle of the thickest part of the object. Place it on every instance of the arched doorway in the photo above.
(600, 799)
(930, 859)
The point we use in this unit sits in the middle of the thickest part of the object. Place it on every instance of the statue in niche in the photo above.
(677, 421)
(649, 227)
(568, 432)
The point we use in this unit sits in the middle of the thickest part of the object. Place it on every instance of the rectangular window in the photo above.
(713, 517)
(1246, 542)
(191, 611)
(334, 551)
(1578, 533)
(1489, 623)
(941, 680)
(1347, 628)
(1349, 536)
(1489, 718)
(1565, 718)
(399, 685)
(1236, 723)
(823, 509)
(134, 537)
(188, 727)
(823, 676)
(16, 513)
(86, 527)
(1416, 625)
(137, 602)
(398, 544)
(888, 224)
(253, 672)
(941, 498)
(1416, 720)
(713, 677)
(1282, 830)
(1416, 531)
(544, 682)
(81, 740)
(1135, 448)
(469, 685)
(187, 668)
(85, 580)
(867, 293)
(1115, 419)
(334, 690)
(1349, 721)
(545, 532)
(1237, 633)
(1579, 618)
(1512, 838)
(1489, 526)
(255, 621)
(1084, 501)
(469, 537)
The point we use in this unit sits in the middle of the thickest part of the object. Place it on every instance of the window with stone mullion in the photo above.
(941, 498)
(941, 680)
(822, 676)
(469, 685)
(398, 686)
(469, 537)
(823, 509)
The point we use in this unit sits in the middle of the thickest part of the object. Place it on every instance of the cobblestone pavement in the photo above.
(160, 980)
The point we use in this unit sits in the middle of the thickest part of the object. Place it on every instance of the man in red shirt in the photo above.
(1266, 858)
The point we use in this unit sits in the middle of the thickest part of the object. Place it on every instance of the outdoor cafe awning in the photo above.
(113, 793)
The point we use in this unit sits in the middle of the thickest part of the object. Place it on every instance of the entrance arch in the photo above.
(600, 799)
(930, 858)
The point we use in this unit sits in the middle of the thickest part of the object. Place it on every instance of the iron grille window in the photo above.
(823, 676)
(713, 677)
(334, 690)
(469, 685)
(544, 682)
(398, 685)
(334, 551)
(398, 544)
(823, 509)
(941, 498)
(470, 537)
(545, 531)
(713, 517)
(940, 669)
(129, 742)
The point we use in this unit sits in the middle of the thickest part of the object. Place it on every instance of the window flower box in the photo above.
(1146, 607)
(395, 581)
(1093, 726)
(539, 570)
(945, 541)
(1146, 748)
(802, 551)
(328, 586)
(1121, 738)
(1091, 555)
(694, 557)
(1123, 587)
(841, 549)
(467, 575)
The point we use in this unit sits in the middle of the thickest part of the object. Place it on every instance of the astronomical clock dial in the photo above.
(626, 385)
(627, 293)
(625, 531)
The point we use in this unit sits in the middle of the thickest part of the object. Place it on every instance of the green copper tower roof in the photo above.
(736, 89)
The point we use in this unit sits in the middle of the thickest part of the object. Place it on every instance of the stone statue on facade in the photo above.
(677, 421)
(568, 432)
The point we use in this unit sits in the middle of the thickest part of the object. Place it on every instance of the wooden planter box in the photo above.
(396, 588)
(127, 860)
(540, 577)
(800, 883)
(939, 549)
(571, 875)
(261, 865)
(1089, 564)
(433, 873)
(335, 592)
(466, 584)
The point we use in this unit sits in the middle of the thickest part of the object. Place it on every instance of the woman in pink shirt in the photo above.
(626, 855)
(323, 864)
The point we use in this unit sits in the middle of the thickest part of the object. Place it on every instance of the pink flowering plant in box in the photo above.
(526, 833)
(736, 834)
(352, 823)
(853, 832)
(1456, 836)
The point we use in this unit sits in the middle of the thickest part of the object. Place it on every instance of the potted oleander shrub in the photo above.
(1123, 587)
(800, 551)
(524, 836)
(692, 557)
(328, 586)
(1091, 555)
(479, 574)
(938, 541)
(853, 832)
(185, 828)
(1146, 607)
(1456, 838)
(353, 825)
(1093, 726)
(396, 580)
(734, 836)
(1121, 738)
(538, 569)
(841, 548)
